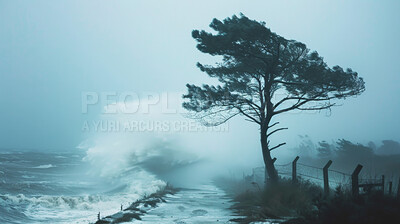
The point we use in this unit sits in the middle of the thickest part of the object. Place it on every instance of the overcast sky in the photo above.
(52, 51)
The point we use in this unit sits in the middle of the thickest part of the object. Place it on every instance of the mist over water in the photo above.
(113, 166)
(180, 150)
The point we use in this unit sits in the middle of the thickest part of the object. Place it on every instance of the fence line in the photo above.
(325, 176)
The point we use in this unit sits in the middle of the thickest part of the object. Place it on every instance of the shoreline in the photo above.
(139, 208)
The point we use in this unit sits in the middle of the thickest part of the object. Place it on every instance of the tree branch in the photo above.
(279, 129)
(275, 147)
(248, 116)
(303, 100)
(319, 108)
(272, 125)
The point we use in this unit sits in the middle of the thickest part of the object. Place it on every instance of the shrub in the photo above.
(282, 199)
(365, 209)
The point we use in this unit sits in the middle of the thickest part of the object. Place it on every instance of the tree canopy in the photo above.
(255, 65)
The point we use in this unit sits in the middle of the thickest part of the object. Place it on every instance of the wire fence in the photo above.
(334, 178)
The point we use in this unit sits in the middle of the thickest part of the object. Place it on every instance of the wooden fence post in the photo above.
(254, 176)
(294, 169)
(390, 188)
(398, 189)
(354, 180)
(383, 184)
(326, 180)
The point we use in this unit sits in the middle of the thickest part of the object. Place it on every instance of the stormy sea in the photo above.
(71, 187)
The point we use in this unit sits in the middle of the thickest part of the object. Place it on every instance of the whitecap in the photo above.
(44, 166)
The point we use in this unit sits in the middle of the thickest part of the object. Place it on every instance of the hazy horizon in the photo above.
(53, 52)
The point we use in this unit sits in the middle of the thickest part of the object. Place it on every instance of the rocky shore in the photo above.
(137, 209)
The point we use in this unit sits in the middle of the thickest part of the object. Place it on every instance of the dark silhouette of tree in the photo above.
(389, 147)
(372, 145)
(350, 150)
(257, 66)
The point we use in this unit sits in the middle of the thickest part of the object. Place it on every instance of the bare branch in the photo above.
(279, 129)
(275, 147)
(289, 98)
(303, 100)
(295, 106)
(319, 108)
(272, 125)
(255, 108)
(225, 120)
(248, 116)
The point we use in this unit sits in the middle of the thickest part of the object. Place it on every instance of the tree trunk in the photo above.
(270, 172)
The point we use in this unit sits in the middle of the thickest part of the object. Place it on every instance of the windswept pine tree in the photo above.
(256, 66)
